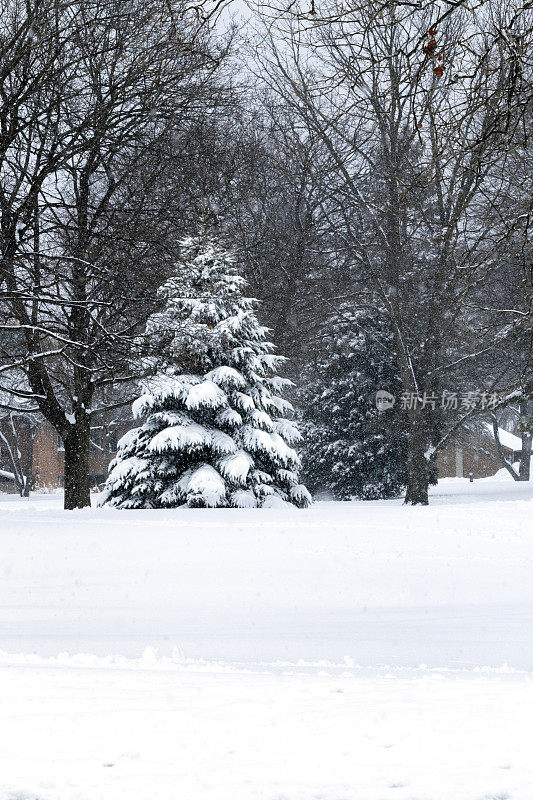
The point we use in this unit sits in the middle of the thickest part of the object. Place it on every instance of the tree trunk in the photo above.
(77, 494)
(526, 425)
(418, 472)
(28, 477)
(525, 458)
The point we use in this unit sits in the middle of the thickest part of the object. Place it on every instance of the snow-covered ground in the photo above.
(351, 651)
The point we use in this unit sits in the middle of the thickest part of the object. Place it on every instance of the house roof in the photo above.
(508, 440)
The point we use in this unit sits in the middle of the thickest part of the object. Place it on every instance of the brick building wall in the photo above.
(478, 456)
(49, 455)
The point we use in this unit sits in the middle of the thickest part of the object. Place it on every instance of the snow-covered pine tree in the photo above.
(215, 430)
(352, 449)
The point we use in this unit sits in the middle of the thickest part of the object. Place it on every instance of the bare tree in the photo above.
(94, 87)
(416, 119)
(17, 434)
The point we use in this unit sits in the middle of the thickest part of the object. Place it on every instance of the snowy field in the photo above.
(351, 651)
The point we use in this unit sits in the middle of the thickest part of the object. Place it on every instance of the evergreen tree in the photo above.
(352, 448)
(215, 431)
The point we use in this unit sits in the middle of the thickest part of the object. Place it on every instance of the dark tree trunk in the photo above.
(525, 458)
(28, 477)
(418, 467)
(77, 494)
(526, 425)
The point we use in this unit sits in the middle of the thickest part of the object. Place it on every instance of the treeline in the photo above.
(370, 165)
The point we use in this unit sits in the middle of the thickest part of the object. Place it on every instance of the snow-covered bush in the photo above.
(215, 430)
